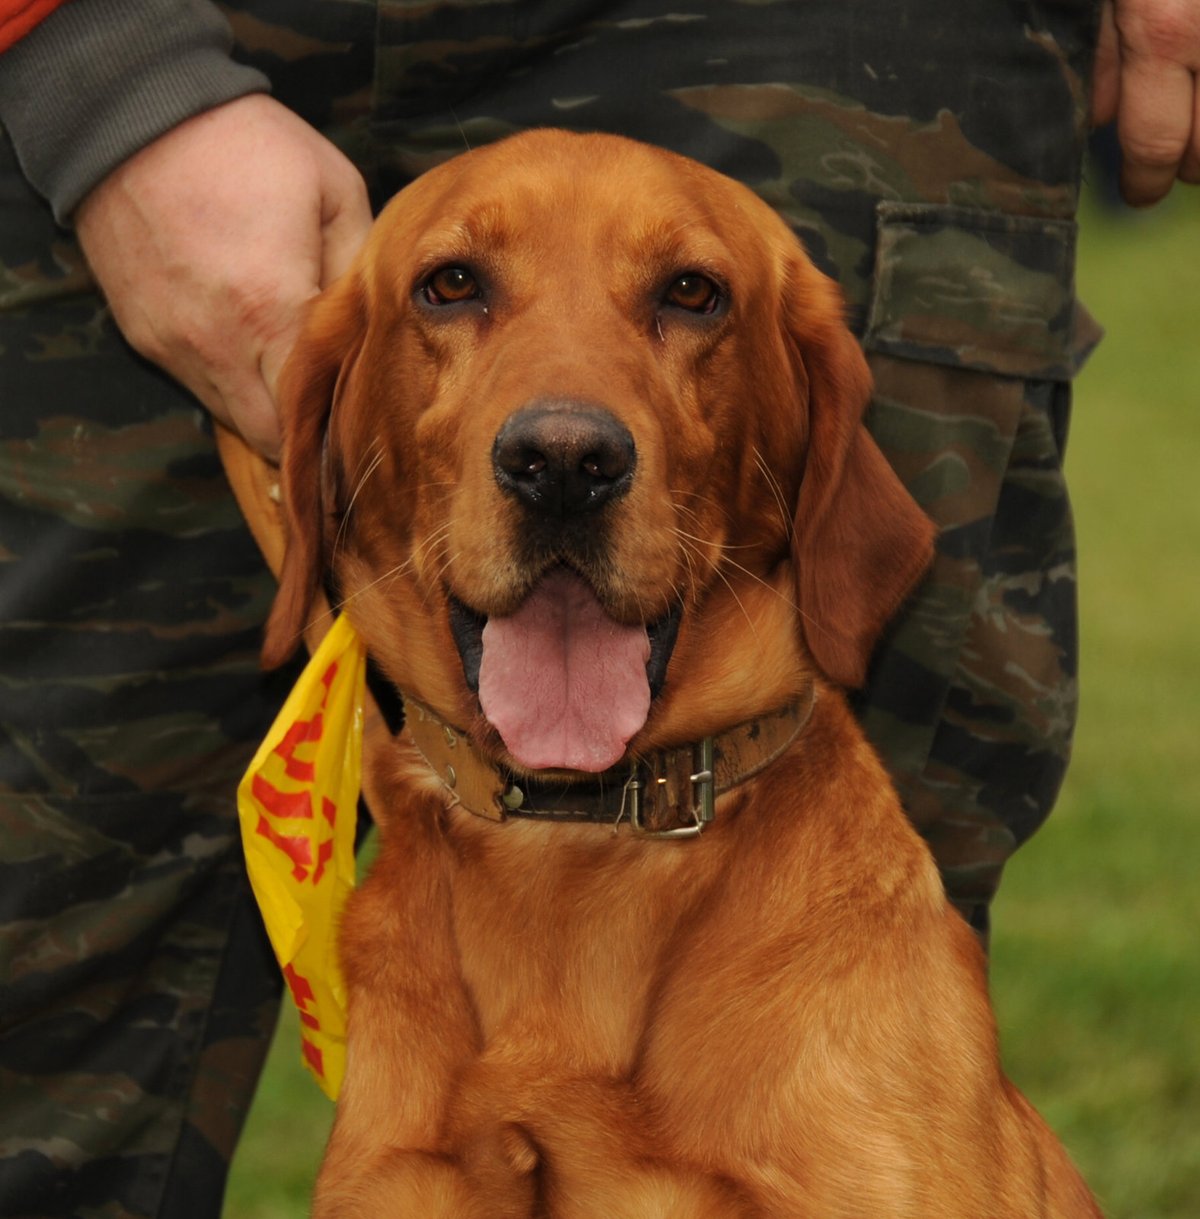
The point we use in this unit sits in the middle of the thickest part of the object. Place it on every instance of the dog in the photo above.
(578, 446)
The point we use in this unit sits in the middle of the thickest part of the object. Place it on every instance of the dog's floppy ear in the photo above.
(313, 378)
(860, 542)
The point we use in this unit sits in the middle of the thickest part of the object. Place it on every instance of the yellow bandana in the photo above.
(298, 804)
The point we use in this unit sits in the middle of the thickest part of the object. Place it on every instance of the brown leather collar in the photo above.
(669, 794)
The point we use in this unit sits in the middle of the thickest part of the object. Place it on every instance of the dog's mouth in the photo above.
(564, 684)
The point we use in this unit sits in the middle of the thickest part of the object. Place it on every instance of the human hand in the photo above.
(208, 242)
(1148, 78)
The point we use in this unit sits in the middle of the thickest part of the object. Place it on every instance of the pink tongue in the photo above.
(562, 683)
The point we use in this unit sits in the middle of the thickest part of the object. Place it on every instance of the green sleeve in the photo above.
(100, 79)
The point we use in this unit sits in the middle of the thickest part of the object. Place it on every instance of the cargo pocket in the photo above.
(980, 290)
(973, 334)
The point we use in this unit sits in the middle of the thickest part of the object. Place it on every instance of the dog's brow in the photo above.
(676, 243)
(487, 230)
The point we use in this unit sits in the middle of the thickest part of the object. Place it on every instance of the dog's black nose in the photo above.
(564, 458)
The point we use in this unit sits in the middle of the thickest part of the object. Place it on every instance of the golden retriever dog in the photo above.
(577, 446)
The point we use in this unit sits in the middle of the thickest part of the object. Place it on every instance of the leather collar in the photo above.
(670, 793)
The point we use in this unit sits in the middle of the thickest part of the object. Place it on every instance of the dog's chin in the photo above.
(564, 684)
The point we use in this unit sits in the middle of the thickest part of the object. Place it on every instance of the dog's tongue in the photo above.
(563, 684)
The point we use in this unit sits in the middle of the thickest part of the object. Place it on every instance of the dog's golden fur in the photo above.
(780, 1018)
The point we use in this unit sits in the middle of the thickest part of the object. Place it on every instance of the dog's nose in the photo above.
(563, 458)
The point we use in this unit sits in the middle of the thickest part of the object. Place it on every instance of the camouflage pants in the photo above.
(927, 152)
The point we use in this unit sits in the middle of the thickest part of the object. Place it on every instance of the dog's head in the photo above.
(579, 441)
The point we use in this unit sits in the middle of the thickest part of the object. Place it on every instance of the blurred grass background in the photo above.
(1096, 947)
(1096, 955)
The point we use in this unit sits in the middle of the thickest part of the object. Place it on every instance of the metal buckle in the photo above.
(704, 784)
(703, 802)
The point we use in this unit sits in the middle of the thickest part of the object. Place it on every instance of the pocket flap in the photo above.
(978, 289)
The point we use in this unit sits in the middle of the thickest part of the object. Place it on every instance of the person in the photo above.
(178, 181)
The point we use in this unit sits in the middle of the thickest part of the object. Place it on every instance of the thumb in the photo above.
(345, 221)
(274, 355)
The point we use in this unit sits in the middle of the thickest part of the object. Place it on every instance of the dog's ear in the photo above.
(860, 542)
(314, 377)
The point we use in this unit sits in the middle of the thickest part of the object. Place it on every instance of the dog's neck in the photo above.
(666, 793)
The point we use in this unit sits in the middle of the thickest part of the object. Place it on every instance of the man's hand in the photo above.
(1147, 67)
(209, 241)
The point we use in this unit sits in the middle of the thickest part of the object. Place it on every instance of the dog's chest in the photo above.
(571, 929)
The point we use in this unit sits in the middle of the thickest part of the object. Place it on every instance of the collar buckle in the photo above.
(643, 795)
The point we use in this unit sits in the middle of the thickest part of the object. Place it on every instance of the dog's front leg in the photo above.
(579, 1147)
(411, 1030)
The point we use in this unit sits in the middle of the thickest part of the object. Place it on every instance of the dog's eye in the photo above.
(694, 292)
(451, 286)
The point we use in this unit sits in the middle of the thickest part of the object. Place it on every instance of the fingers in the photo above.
(1155, 127)
(1147, 75)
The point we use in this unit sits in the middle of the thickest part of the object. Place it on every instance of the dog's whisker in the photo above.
(462, 131)
(694, 560)
(344, 524)
(775, 489)
(432, 551)
(390, 575)
(691, 552)
(723, 547)
(733, 593)
(687, 551)
(401, 568)
(684, 510)
(693, 577)
(789, 601)
(680, 492)
(439, 535)
(688, 548)
(446, 564)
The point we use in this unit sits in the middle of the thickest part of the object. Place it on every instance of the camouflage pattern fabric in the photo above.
(137, 993)
(927, 153)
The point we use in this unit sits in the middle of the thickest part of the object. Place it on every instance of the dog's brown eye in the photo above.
(451, 286)
(694, 292)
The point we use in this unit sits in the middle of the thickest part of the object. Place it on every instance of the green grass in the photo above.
(1096, 968)
(1096, 948)
(280, 1151)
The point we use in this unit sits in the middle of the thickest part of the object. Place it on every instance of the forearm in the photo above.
(100, 79)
